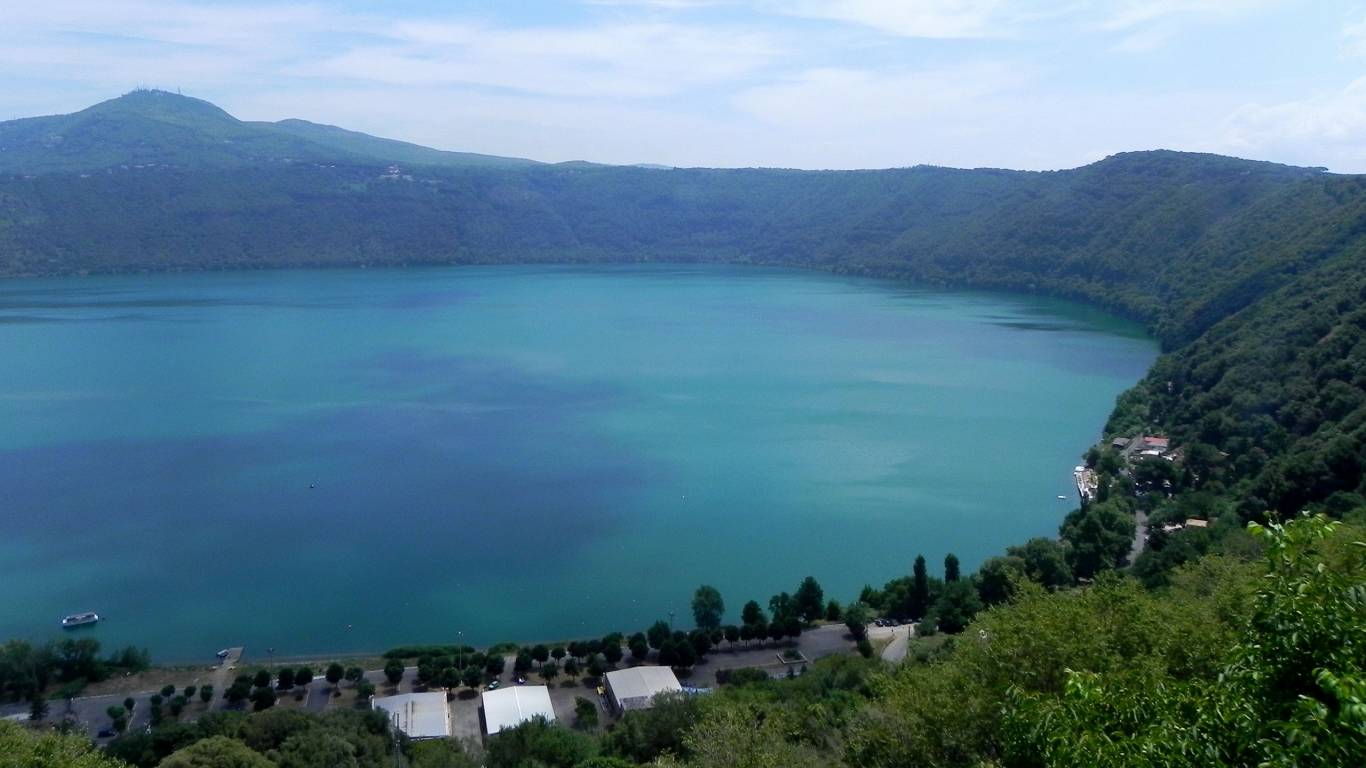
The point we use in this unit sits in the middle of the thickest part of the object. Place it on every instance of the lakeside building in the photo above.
(419, 715)
(509, 707)
(637, 687)
(1158, 443)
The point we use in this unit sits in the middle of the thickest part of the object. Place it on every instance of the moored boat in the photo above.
(80, 619)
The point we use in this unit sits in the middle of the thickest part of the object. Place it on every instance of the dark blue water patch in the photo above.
(432, 299)
(40, 319)
(480, 382)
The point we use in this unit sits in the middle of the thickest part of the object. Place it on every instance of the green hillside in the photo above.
(360, 145)
(157, 128)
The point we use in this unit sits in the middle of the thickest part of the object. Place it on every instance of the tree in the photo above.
(657, 633)
(540, 653)
(364, 689)
(585, 713)
(317, 748)
(206, 693)
(1099, 536)
(833, 612)
(177, 705)
(537, 743)
(238, 691)
(752, 614)
(354, 674)
(441, 753)
(190, 691)
(998, 578)
(856, 618)
(920, 589)
(284, 679)
(393, 671)
(471, 676)
(956, 606)
(557, 653)
(129, 704)
(1044, 562)
(781, 607)
(611, 648)
(522, 664)
(550, 670)
(303, 676)
(496, 664)
(684, 655)
(262, 698)
(640, 647)
(950, 568)
(595, 666)
(49, 749)
(449, 678)
(117, 716)
(1289, 692)
(260, 680)
(731, 633)
(810, 599)
(571, 668)
(334, 673)
(37, 708)
(707, 607)
(741, 736)
(700, 642)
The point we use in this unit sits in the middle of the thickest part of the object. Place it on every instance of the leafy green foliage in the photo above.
(1290, 692)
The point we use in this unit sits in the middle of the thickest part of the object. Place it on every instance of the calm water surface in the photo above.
(346, 460)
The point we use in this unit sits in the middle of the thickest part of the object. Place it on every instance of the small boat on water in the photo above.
(80, 620)
(223, 654)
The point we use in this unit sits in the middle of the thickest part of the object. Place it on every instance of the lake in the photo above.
(342, 461)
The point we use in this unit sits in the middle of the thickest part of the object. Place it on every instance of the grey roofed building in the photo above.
(511, 706)
(637, 687)
(419, 715)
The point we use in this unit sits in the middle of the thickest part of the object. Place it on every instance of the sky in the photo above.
(1030, 84)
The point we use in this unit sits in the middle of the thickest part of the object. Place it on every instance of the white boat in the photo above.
(223, 654)
(80, 619)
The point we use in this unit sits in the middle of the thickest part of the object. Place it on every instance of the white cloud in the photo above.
(1133, 13)
(1354, 38)
(622, 60)
(928, 18)
(1326, 128)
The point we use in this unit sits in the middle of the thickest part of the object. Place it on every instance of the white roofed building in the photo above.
(419, 715)
(511, 706)
(637, 687)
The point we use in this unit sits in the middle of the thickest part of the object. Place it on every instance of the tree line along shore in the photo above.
(1237, 656)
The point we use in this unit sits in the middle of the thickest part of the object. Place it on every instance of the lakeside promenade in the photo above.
(88, 712)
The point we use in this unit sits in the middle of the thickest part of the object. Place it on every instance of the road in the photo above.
(900, 641)
(1140, 535)
(220, 675)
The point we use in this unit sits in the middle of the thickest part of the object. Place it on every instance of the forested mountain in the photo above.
(160, 129)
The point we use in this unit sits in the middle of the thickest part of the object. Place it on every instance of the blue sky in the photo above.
(1032, 84)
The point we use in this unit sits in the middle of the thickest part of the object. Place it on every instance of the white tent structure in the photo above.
(516, 704)
(637, 687)
(420, 715)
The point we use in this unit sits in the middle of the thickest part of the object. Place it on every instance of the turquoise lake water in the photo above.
(347, 460)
